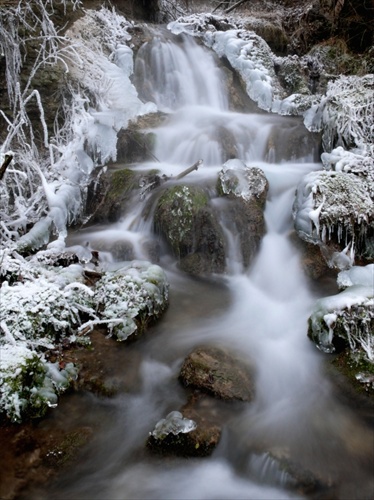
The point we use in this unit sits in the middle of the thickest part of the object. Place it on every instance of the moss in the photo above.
(121, 183)
(350, 367)
(175, 215)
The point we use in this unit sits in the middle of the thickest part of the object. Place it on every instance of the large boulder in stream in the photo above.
(335, 209)
(216, 371)
(186, 221)
(245, 190)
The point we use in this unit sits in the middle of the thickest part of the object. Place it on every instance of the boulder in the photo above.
(216, 371)
(335, 210)
(245, 189)
(187, 223)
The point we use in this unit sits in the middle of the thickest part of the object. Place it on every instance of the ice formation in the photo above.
(240, 180)
(349, 315)
(328, 202)
(174, 423)
(251, 57)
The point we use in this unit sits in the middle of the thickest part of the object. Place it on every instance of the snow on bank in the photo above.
(42, 308)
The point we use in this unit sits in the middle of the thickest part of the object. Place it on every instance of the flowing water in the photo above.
(260, 312)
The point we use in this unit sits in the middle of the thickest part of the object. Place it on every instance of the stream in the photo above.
(261, 313)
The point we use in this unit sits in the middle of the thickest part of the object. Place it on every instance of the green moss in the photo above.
(175, 215)
(121, 183)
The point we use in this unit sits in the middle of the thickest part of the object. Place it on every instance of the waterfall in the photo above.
(260, 312)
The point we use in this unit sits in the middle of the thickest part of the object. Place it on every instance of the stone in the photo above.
(216, 371)
(186, 222)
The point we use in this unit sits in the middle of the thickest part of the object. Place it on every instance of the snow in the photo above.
(348, 314)
(42, 306)
(357, 275)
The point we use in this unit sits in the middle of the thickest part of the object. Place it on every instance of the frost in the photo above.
(334, 204)
(242, 181)
(174, 423)
(44, 187)
(348, 315)
(345, 114)
(130, 297)
(42, 308)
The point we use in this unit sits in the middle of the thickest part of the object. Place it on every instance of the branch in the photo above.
(6, 162)
(195, 166)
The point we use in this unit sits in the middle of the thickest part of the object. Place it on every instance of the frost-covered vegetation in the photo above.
(348, 316)
(45, 308)
(42, 191)
(46, 304)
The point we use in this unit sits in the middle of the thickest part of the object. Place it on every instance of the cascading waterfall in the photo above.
(263, 315)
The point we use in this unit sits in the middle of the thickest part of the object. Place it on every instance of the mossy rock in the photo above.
(109, 193)
(185, 220)
(218, 372)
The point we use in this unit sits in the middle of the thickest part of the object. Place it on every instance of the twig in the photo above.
(6, 162)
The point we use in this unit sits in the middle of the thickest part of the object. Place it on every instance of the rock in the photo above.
(344, 323)
(246, 189)
(135, 143)
(185, 220)
(108, 195)
(183, 436)
(217, 372)
(277, 466)
(312, 261)
(336, 211)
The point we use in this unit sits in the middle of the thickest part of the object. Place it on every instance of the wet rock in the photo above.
(215, 371)
(179, 435)
(246, 189)
(108, 194)
(335, 209)
(312, 260)
(185, 220)
(135, 143)
(277, 467)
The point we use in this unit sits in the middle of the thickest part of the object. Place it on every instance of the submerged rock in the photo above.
(185, 220)
(215, 371)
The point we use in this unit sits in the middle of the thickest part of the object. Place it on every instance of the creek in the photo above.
(261, 313)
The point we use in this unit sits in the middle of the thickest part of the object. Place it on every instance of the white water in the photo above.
(262, 313)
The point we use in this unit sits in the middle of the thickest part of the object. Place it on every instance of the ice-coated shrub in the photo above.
(345, 114)
(29, 385)
(130, 297)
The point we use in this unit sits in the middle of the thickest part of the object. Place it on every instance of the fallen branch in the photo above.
(195, 166)
(148, 184)
(6, 162)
